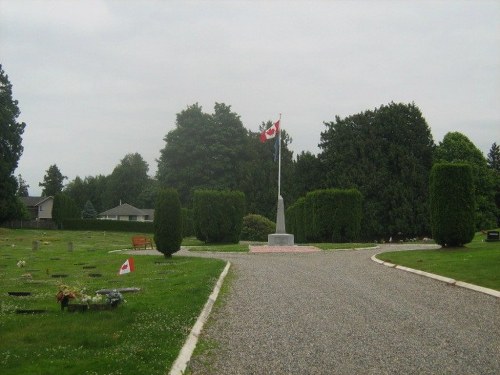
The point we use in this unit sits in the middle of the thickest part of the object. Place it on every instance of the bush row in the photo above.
(328, 215)
(108, 225)
(218, 215)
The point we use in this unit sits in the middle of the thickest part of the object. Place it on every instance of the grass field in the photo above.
(477, 263)
(142, 335)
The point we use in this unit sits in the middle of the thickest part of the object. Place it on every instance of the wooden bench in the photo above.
(142, 242)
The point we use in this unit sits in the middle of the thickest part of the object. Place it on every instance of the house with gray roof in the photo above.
(127, 212)
(39, 208)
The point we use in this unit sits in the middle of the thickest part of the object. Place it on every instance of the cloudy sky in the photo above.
(96, 80)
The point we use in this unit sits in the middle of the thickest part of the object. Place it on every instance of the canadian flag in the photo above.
(271, 132)
(127, 267)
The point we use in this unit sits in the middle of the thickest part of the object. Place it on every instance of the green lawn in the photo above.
(477, 263)
(143, 335)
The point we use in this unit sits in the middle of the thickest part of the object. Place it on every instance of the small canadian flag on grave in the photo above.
(127, 267)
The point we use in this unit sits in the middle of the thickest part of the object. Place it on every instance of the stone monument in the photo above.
(280, 238)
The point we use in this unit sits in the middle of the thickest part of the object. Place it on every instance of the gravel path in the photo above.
(341, 313)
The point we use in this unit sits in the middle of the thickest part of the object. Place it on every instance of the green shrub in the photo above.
(452, 204)
(256, 228)
(168, 222)
(218, 215)
(332, 215)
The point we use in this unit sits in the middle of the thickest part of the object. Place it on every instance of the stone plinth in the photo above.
(280, 239)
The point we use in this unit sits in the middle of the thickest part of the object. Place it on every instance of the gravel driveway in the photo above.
(341, 313)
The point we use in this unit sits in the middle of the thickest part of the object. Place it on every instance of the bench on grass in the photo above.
(142, 242)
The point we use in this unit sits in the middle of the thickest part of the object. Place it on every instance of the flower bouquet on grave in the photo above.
(64, 294)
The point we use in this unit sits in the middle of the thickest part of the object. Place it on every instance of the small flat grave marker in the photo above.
(88, 267)
(19, 294)
(95, 274)
(30, 311)
(59, 275)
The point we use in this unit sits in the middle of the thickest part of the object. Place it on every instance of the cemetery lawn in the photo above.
(342, 246)
(476, 263)
(141, 336)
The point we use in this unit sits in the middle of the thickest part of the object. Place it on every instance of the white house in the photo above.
(127, 212)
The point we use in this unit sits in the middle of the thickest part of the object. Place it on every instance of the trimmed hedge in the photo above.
(218, 215)
(295, 220)
(108, 225)
(452, 204)
(256, 228)
(168, 222)
(332, 215)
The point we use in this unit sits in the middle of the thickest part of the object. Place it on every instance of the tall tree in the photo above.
(53, 181)
(203, 151)
(309, 174)
(127, 181)
(22, 187)
(11, 148)
(494, 164)
(494, 157)
(386, 153)
(457, 148)
(91, 188)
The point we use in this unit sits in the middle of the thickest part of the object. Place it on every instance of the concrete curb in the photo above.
(447, 280)
(186, 352)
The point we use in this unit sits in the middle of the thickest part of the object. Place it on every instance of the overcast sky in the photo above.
(96, 80)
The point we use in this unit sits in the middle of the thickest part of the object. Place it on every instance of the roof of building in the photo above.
(126, 209)
(34, 201)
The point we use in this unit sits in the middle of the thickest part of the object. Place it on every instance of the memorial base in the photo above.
(280, 239)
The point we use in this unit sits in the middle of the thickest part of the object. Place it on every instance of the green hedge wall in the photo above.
(108, 225)
(218, 215)
(295, 220)
(452, 204)
(332, 215)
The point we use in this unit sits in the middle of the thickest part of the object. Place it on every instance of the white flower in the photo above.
(21, 263)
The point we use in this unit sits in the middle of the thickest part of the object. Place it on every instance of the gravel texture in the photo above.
(339, 312)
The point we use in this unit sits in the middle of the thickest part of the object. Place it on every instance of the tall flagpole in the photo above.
(279, 160)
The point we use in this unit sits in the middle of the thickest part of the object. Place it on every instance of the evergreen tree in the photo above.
(22, 187)
(89, 211)
(452, 204)
(457, 148)
(168, 222)
(494, 157)
(203, 151)
(53, 181)
(386, 154)
(11, 148)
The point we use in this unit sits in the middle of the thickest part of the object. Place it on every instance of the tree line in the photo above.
(386, 153)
